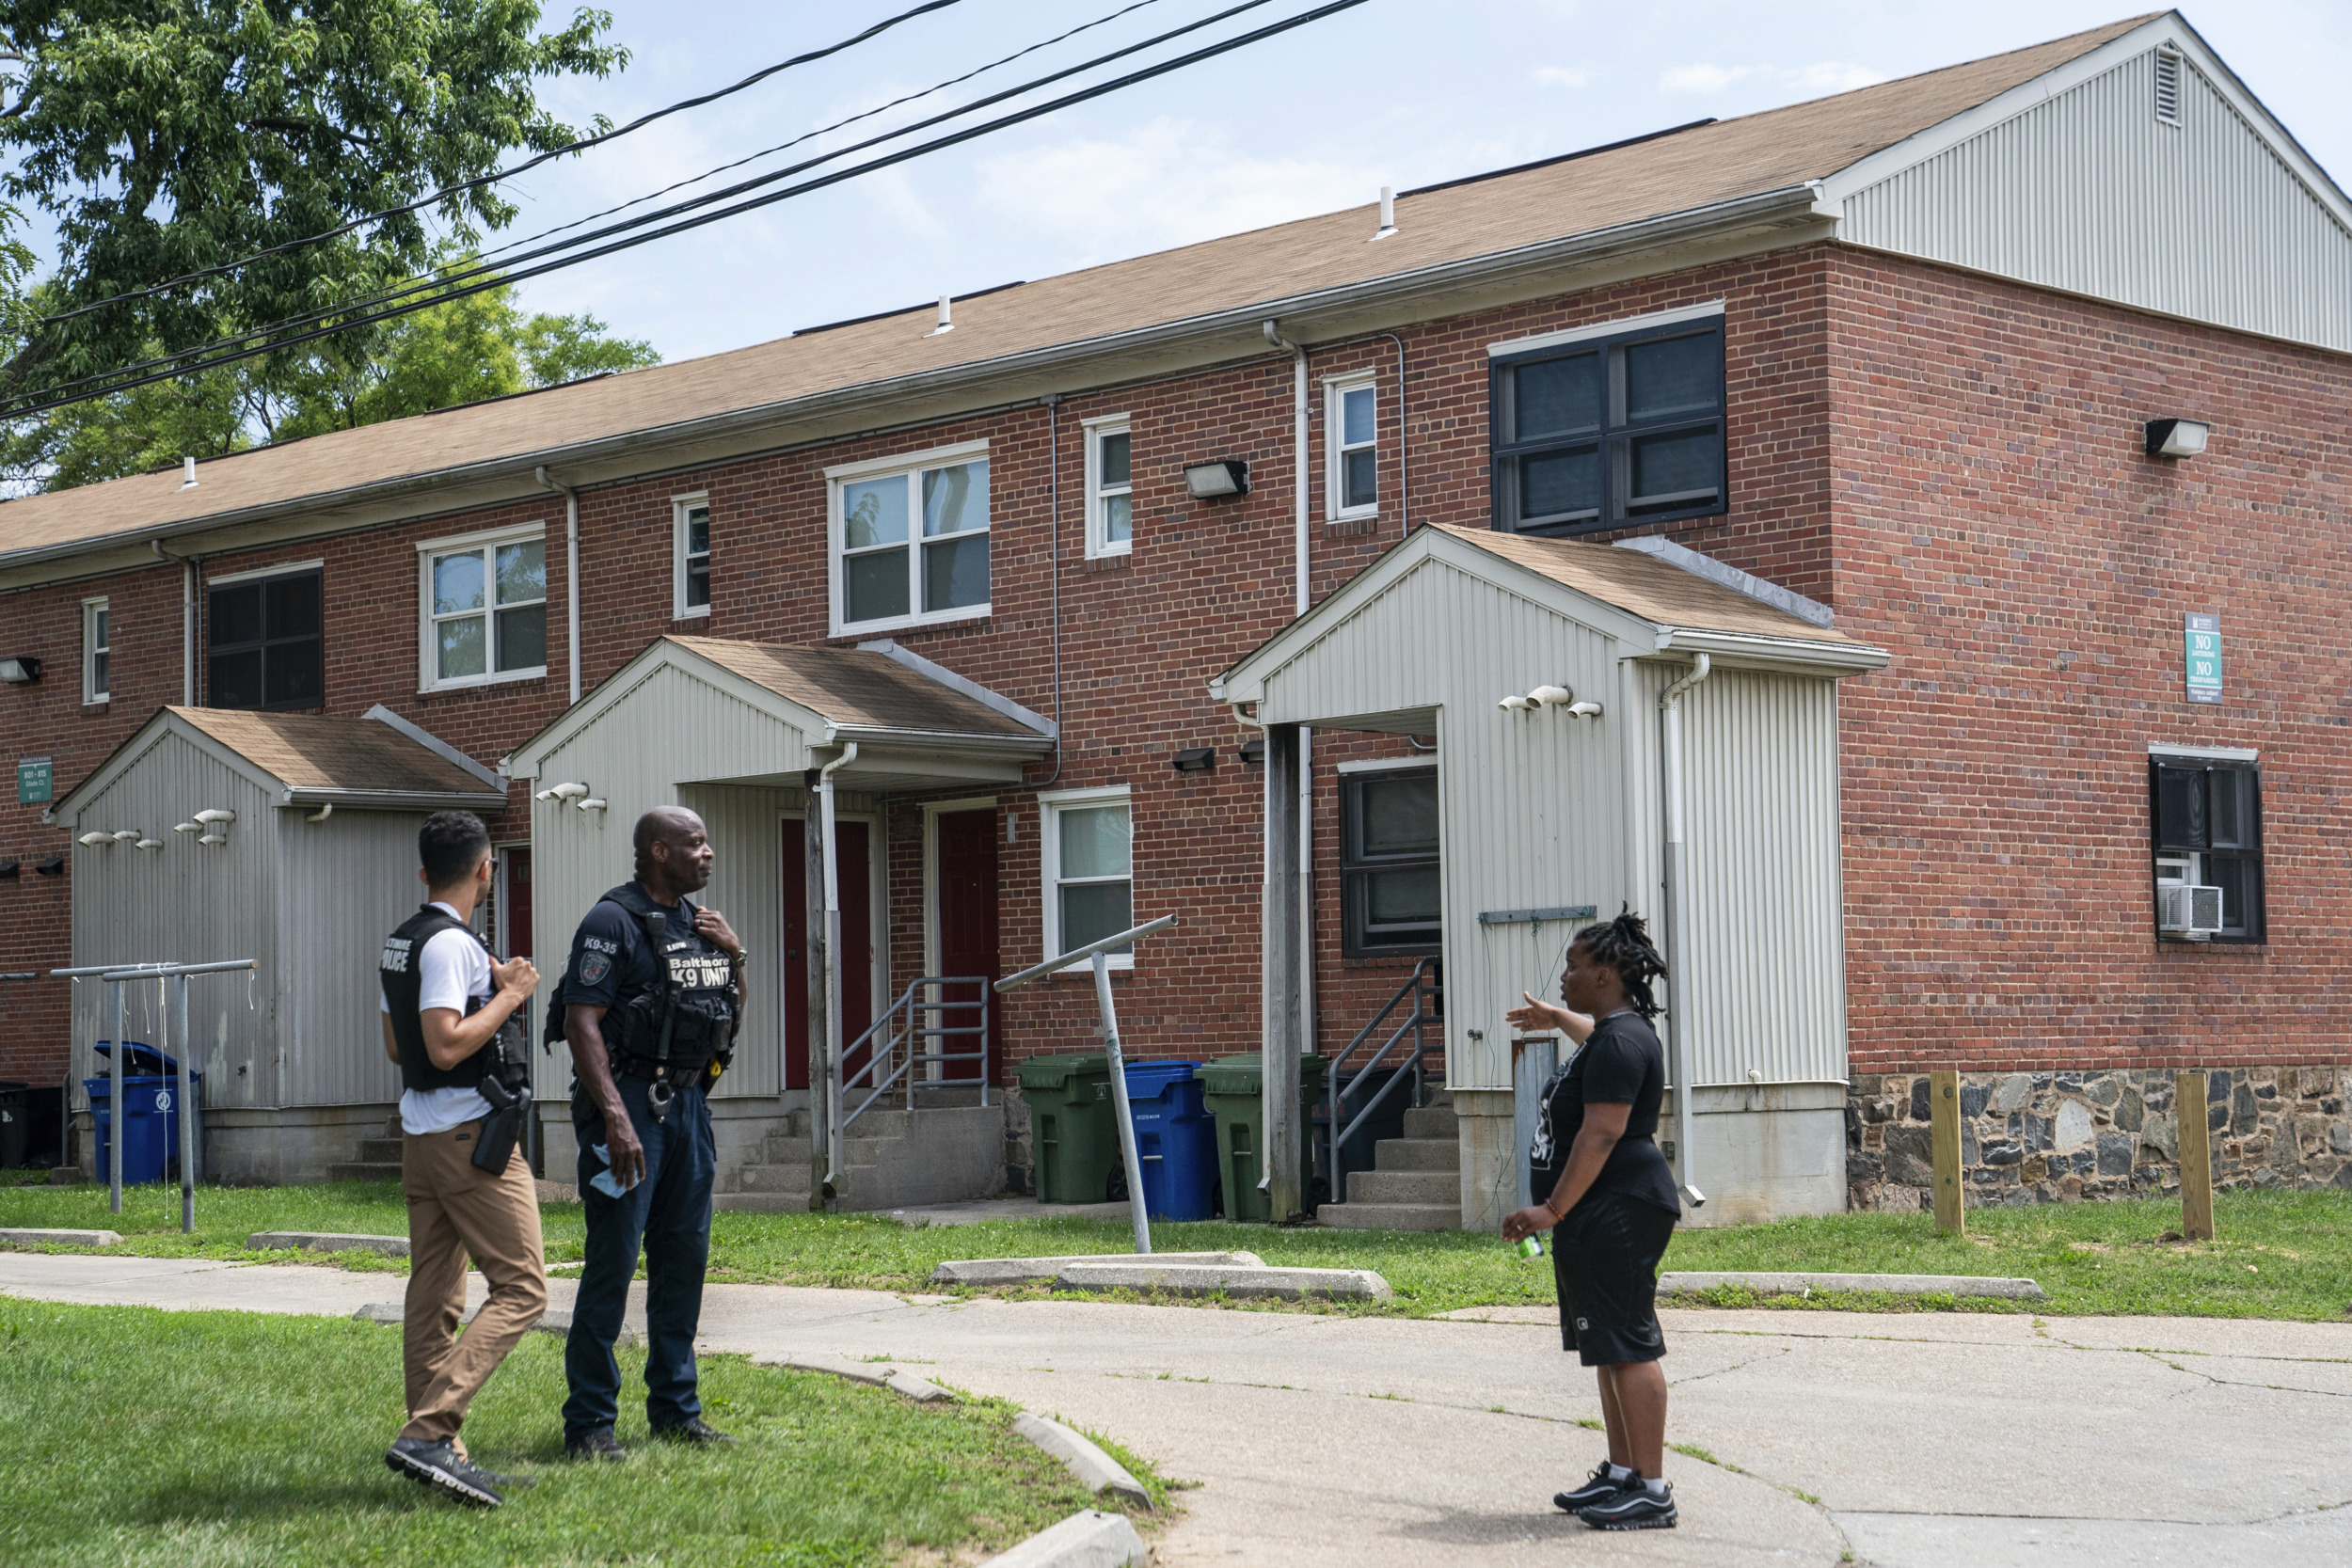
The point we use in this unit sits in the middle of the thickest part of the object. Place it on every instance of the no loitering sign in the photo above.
(2201, 651)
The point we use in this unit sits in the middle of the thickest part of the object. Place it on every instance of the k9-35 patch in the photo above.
(593, 968)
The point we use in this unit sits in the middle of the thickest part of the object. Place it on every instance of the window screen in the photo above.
(2207, 820)
(265, 643)
(1389, 862)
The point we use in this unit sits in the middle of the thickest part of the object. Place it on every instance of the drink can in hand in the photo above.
(1529, 1247)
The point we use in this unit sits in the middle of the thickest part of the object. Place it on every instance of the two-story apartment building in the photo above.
(1893, 368)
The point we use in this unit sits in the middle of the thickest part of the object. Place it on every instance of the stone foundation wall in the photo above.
(2057, 1137)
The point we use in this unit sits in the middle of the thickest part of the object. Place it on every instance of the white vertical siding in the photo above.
(1766, 924)
(2091, 193)
(342, 885)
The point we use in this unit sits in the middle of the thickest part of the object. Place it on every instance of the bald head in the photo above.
(674, 852)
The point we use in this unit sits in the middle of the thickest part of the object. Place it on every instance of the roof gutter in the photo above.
(1787, 205)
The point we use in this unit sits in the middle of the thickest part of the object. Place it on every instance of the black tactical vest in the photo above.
(403, 981)
(694, 1010)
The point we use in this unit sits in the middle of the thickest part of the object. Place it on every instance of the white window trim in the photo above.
(427, 669)
(1049, 864)
(2204, 753)
(1335, 390)
(679, 506)
(283, 569)
(1605, 329)
(90, 694)
(836, 476)
(1098, 545)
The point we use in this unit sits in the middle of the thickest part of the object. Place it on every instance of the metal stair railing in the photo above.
(1425, 986)
(899, 1044)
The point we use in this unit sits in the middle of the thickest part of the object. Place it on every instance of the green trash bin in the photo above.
(1236, 1097)
(1073, 1126)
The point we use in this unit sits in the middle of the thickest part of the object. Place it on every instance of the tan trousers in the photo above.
(456, 1212)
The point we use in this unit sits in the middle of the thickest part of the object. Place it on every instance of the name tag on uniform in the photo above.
(699, 971)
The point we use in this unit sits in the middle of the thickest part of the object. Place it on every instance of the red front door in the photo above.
(967, 882)
(854, 865)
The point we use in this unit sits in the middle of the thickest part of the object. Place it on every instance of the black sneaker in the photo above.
(594, 1444)
(695, 1431)
(437, 1465)
(1635, 1506)
(1598, 1489)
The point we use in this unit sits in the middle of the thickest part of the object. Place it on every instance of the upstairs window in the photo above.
(1110, 486)
(1351, 439)
(485, 599)
(1388, 882)
(910, 540)
(691, 586)
(265, 641)
(97, 652)
(1609, 430)
(2206, 813)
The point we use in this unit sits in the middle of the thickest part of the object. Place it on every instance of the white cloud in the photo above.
(1560, 76)
(1169, 182)
(1823, 76)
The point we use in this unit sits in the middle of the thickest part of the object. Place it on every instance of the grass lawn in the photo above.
(2280, 1254)
(130, 1435)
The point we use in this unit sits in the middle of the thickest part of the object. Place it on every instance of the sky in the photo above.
(1396, 92)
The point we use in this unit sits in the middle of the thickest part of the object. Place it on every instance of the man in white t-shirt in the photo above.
(446, 1005)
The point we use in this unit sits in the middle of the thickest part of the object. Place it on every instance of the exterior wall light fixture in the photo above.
(2177, 437)
(1252, 750)
(20, 670)
(8, 870)
(52, 866)
(1226, 476)
(1199, 759)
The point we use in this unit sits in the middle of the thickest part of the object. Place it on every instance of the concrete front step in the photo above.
(891, 1159)
(1414, 1187)
(1417, 1154)
(1390, 1216)
(379, 1152)
(1433, 1121)
(364, 1170)
(763, 1203)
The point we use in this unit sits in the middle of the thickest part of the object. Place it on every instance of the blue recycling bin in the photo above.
(1175, 1139)
(151, 1113)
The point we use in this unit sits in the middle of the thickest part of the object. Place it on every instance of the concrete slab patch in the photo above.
(1885, 1284)
(556, 1320)
(1239, 1281)
(327, 1240)
(1088, 1540)
(1097, 1471)
(877, 1374)
(1019, 1270)
(34, 1237)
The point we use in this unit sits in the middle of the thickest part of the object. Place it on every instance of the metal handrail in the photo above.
(1425, 986)
(899, 1044)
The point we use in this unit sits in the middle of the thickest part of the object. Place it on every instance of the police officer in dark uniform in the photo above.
(652, 999)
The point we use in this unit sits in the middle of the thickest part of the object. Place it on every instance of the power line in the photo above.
(461, 187)
(459, 284)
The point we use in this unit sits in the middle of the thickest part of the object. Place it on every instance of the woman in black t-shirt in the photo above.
(1609, 1201)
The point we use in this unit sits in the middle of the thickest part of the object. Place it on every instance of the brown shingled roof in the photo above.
(306, 750)
(1690, 169)
(856, 687)
(1657, 590)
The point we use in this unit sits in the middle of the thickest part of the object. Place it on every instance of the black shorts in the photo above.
(1605, 1257)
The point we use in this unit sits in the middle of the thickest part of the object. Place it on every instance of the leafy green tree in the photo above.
(165, 136)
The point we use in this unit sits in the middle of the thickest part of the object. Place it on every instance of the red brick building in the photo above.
(1894, 353)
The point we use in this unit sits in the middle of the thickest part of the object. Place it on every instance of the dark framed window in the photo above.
(1609, 431)
(265, 643)
(2206, 818)
(1389, 862)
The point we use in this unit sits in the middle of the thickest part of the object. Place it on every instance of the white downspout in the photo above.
(1301, 595)
(833, 965)
(187, 618)
(571, 571)
(1678, 941)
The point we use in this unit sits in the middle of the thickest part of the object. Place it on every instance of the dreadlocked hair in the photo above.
(1624, 945)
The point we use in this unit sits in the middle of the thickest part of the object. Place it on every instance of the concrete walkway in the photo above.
(1932, 1441)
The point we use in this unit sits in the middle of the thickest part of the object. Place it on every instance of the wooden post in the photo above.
(1281, 962)
(1944, 1119)
(2189, 1104)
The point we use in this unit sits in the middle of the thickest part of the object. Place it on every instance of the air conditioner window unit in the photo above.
(2189, 911)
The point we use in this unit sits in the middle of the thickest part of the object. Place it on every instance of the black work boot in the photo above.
(437, 1465)
(594, 1444)
(695, 1431)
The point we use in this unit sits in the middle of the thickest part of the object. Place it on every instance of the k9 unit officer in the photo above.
(652, 999)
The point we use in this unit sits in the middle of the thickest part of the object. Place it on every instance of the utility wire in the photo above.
(461, 283)
(459, 189)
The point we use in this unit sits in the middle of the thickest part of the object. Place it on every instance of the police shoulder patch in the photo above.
(594, 967)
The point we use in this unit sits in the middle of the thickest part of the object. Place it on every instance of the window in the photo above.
(1110, 489)
(1597, 432)
(97, 652)
(911, 539)
(692, 586)
(1389, 861)
(265, 641)
(2208, 832)
(485, 607)
(1088, 869)
(1351, 484)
